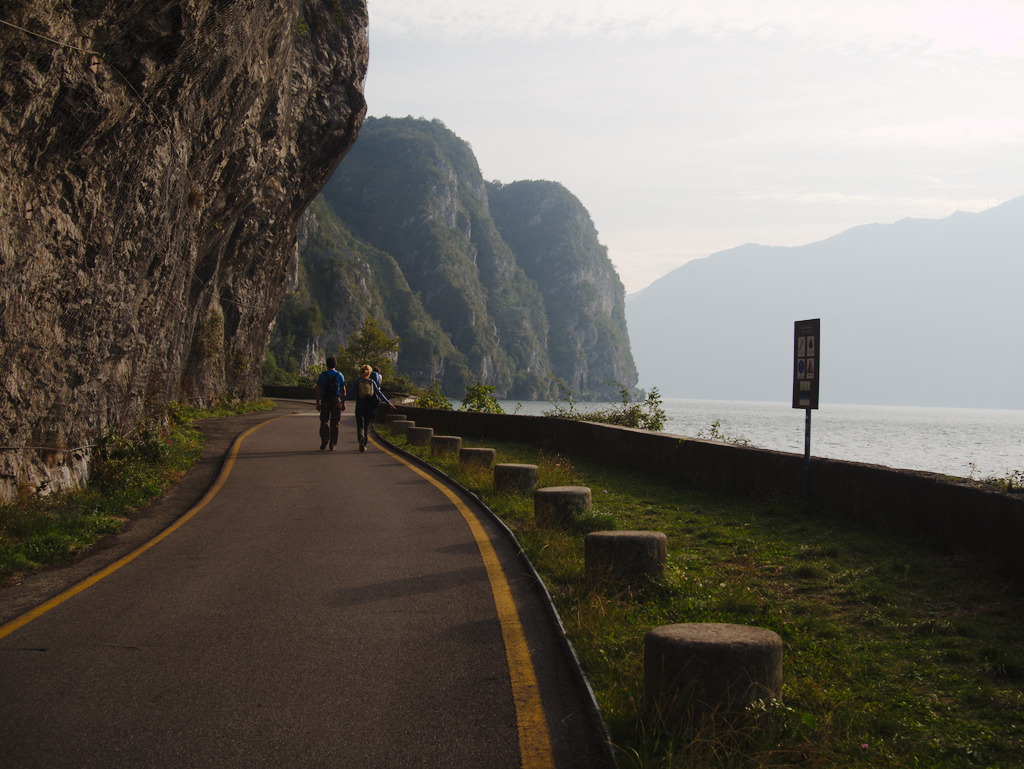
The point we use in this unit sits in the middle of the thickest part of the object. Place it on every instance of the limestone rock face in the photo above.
(513, 275)
(556, 244)
(156, 159)
(413, 189)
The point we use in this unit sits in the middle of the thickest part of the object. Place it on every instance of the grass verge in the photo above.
(895, 655)
(128, 472)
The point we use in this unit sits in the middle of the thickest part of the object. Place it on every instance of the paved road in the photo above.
(319, 610)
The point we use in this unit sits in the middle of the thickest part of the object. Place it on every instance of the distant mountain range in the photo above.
(502, 284)
(916, 313)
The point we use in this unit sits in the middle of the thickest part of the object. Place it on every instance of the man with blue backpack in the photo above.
(330, 402)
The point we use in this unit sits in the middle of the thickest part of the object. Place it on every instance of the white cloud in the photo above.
(934, 206)
(992, 27)
(995, 27)
(950, 133)
(691, 127)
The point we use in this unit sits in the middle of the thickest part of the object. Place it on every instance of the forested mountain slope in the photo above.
(504, 285)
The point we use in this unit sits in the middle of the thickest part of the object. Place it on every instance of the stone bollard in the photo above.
(624, 560)
(419, 436)
(706, 674)
(479, 458)
(400, 426)
(560, 505)
(515, 479)
(389, 418)
(389, 425)
(445, 444)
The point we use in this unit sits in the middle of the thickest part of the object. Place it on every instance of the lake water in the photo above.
(979, 443)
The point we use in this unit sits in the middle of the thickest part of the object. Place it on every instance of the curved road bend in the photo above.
(319, 610)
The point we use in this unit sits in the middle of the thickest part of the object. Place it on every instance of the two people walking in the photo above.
(331, 394)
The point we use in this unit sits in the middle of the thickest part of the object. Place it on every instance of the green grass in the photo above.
(128, 472)
(895, 655)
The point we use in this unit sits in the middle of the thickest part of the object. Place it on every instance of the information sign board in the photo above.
(806, 371)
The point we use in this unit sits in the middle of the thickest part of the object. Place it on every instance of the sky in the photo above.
(689, 127)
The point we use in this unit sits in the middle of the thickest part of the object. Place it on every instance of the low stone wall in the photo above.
(954, 516)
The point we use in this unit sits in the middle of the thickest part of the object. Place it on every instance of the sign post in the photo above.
(806, 349)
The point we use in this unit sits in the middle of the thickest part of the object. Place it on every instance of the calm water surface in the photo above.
(962, 442)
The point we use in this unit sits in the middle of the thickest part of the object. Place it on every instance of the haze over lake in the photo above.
(918, 313)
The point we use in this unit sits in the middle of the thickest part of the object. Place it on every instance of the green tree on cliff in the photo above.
(371, 345)
(480, 397)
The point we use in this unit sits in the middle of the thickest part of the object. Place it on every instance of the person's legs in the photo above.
(325, 435)
(364, 420)
(335, 419)
(361, 429)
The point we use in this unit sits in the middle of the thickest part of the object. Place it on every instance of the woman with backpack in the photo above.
(368, 398)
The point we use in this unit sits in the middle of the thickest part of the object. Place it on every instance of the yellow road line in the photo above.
(22, 620)
(534, 739)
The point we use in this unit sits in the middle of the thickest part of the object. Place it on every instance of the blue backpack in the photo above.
(335, 380)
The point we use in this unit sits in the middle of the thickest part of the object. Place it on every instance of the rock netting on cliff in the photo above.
(156, 158)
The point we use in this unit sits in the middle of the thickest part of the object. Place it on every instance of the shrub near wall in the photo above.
(953, 515)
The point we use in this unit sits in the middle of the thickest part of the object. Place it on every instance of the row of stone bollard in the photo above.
(696, 675)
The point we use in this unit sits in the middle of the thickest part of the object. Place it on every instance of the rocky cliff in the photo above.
(556, 245)
(157, 157)
(413, 189)
(339, 281)
(505, 285)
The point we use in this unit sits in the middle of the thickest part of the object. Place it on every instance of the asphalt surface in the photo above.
(321, 609)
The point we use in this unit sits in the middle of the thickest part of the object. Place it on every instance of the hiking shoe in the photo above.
(323, 445)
